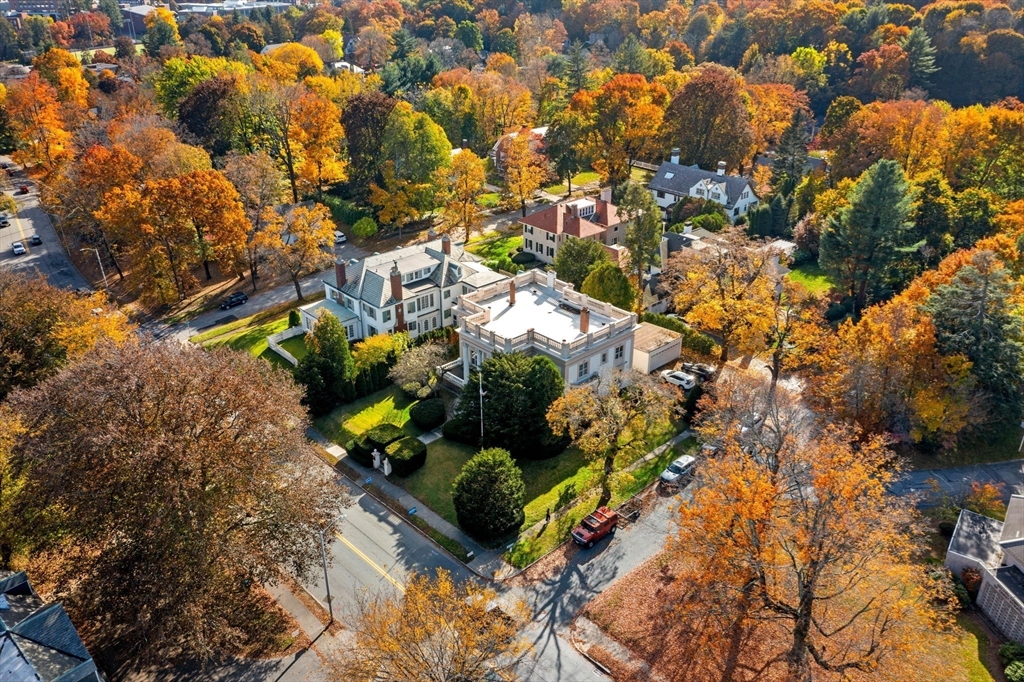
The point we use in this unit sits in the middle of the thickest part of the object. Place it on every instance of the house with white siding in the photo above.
(536, 314)
(413, 289)
(996, 550)
(672, 182)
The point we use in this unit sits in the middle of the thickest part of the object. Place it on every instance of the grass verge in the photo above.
(356, 418)
(974, 649)
(494, 245)
(581, 179)
(488, 200)
(813, 278)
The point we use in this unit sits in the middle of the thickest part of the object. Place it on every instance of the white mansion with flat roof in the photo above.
(536, 314)
(411, 289)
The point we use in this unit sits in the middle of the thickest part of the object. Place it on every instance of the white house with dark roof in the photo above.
(411, 289)
(996, 550)
(535, 314)
(672, 182)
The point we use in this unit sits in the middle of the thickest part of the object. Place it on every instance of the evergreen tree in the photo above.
(113, 11)
(577, 66)
(488, 495)
(608, 283)
(562, 146)
(518, 391)
(577, 258)
(469, 33)
(643, 233)
(632, 57)
(759, 221)
(921, 55)
(327, 371)
(780, 216)
(791, 155)
(974, 316)
(862, 241)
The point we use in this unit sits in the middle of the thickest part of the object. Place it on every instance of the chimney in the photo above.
(663, 250)
(396, 282)
(585, 321)
(721, 167)
(687, 227)
(465, 143)
(606, 195)
(396, 293)
(551, 279)
(446, 245)
(512, 292)
(339, 273)
(675, 155)
(575, 210)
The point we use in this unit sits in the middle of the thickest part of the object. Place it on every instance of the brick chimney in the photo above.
(512, 292)
(575, 209)
(585, 320)
(339, 273)
(396, 293)
(721, 167)
(446, 245)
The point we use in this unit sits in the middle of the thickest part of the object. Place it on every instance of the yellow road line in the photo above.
(369, 561)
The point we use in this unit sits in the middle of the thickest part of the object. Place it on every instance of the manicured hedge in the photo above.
(428, 414)
(523, 258)
(357, 449)
(461, 431)
(406, 455)
(380, 436)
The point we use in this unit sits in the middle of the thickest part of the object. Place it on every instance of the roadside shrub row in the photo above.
(692, 339)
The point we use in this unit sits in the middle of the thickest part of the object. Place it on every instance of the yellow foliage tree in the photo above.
(459, 185)
(395, 200)
(304, 60)
(523, 171)
(318, 131)
(296, 240)
(36, 118)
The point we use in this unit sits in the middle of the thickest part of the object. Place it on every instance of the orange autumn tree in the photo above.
(801, 567)
(524, 173)
(295, 241)
(458, 185)
(36, 118)
(318, 131)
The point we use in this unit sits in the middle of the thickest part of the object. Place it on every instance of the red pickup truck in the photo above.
(598, 524)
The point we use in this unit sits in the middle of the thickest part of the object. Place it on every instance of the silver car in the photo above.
(679, 470)
(681, 379)
(18, 248)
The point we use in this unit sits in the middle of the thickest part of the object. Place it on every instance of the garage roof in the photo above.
(650, 337)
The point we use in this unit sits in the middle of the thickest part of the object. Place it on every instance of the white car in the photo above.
(678, 470)
(339, 237)
(18, 248)
(755, 420)
(677, 378)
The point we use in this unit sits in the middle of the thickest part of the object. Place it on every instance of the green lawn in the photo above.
(355, 418)
(251, 337)
(974, 645)
(813, 278)
(489, 200)
(641, 175)
(494, 245)
(432, 483)
(996, 443)
(583, 178)
(296, 346)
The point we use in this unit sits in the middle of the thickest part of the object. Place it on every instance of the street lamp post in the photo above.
(323, 556)
(98, 260)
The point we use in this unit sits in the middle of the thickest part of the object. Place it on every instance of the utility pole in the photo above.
(323, 556)
(100, 261)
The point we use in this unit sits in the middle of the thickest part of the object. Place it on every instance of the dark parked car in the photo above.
(237, 298)
(5, 222)
(35, 240)
(23, 189)
(702, 371)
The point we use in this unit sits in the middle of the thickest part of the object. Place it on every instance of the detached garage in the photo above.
(655, 347)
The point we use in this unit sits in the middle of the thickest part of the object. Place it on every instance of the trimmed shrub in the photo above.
(411, 389)
(358, 450)
(971, 578)
(960, 592)
(382, 435)
(461, 431)
(424, 393)
(488, 495)
(946, 529)
(294, 318)
(428, 414)
(1015, 672)
(1011, 652)
(523, 258)
(406, 455)
(692, 339)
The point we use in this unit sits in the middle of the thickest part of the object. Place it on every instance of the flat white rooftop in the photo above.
(539, 308)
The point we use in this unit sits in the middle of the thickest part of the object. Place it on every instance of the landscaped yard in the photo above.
(584, 178)
(494, 245)
(248, 335)
(974, 645)
(813, 278)
(356, 418)
(489, 200)
(296, 346)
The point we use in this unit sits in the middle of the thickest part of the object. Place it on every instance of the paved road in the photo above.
(956, 481)
(49, 258)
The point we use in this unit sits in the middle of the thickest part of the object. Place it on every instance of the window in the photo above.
(716, 195)
(540, 248)
(669, 176)
(371, 313)
(385, 316)
(425, 302)
(447, 313)
(661, 195)
(736, 211)
(465, 289)
(373, 331)
(550, 237)
(447, 293)
(433, 322)
(615, 240)
(583, 370)
(619, 352)
(411, 308)
(700, 191)
(527, 229)
(529, 243)
(551, 252)
(412, 326)
(351, 331)
(604, 358)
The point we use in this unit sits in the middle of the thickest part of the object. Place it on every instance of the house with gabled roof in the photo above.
(412, 289)
(996, 550)
(673, 181)
(38, 641)
(595, 218)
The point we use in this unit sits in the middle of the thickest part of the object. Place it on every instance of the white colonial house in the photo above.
(411, 289)
(594, 218)
(672, 182)
(996, 550)
(536, 314)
